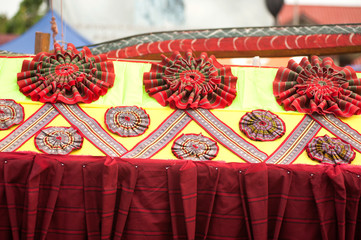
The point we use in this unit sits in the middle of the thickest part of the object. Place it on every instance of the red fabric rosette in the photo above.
(188, 82)
(318, 86)
(67, 76)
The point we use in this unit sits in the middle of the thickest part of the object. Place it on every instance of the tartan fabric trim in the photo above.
(160, 137)
(90, 129)
(340, 129)
(186, 82)
(11, 113)
(295, 142)
(261, 125)
(330, 150)
(127, 121)
(195, 147)
(318, 86)
(28, 128)
(58, 140)
(226, 136)
(67, 76)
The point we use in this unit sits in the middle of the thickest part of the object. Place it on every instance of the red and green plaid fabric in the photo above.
(318, 86)
(188, 82)
(67, 76)
(261, 125)
(330, 150)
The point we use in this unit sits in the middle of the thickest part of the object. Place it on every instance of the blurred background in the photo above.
(92, 21)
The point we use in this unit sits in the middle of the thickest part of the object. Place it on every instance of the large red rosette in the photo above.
(191, 83)
(318, 86)
(67, 76)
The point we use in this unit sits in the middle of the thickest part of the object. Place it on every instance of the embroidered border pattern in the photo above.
(340, 129)
(160, 137)
(91, 129)
(296, 142)
(28, 128)
(226, 136)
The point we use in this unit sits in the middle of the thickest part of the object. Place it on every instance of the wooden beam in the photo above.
(42, 42)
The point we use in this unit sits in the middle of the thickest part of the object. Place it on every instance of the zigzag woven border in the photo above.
(295, 142)
(29, 128)
(160, 137)
(226, 136)
(91, 129)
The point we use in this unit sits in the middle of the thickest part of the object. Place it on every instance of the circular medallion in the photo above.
(58, 140)
(11, 113)
(330, 150)
(195, 147)
(261, 125)
(127, 121)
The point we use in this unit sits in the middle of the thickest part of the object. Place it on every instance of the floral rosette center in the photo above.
(318, 86)
(191, 83)
(66, 69)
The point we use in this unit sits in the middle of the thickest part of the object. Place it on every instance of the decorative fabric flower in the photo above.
(318, 87)
(11, 113)
(261, 125)
(67, 76)
(127, 121)
(191, 83)
(330, 150)
(195, 147)
(58, 140)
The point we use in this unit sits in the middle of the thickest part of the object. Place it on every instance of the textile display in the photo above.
(271, 155)
(154, 136)
(85, 197)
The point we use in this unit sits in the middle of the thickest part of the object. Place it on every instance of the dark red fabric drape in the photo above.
(83, 197)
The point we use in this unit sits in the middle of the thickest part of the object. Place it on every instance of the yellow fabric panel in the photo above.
(158, 115)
